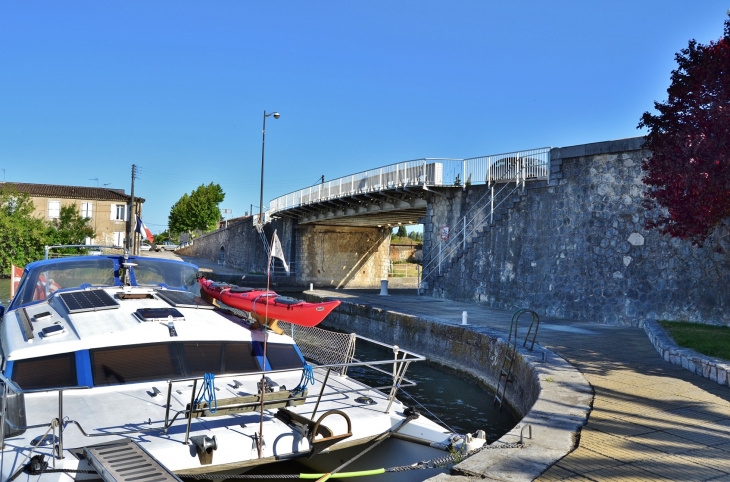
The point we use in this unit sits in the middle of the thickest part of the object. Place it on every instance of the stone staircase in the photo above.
(480, 231)
(483, 223)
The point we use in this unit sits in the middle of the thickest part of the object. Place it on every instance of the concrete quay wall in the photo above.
(547, 393)
(577, 247)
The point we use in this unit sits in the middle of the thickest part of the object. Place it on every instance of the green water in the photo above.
(460, 404)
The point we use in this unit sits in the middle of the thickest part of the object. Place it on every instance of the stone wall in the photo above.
(327, 256)
(242, 245)
(577, 247)
(343, 256)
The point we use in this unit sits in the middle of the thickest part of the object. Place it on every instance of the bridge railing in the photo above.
(506, 167)
(420, 172)
(428, 172)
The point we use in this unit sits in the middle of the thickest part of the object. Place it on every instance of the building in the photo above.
(107, 209)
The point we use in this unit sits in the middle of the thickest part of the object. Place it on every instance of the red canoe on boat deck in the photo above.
(215, 289)
(268, 303)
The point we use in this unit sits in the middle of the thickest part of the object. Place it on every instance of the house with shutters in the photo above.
(108, 210)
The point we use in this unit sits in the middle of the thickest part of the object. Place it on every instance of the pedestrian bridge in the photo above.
(398, 193)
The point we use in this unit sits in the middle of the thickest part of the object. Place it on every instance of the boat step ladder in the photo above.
(505, 372)
(127, 461)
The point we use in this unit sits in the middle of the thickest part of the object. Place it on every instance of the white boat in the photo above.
(114, 369)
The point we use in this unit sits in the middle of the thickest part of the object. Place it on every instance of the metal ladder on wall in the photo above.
(505, 372)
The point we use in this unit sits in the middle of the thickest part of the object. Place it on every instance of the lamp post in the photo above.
(263, 145)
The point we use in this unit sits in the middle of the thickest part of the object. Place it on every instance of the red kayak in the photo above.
(268, 303)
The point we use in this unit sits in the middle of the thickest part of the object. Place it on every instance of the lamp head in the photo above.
(276, 115)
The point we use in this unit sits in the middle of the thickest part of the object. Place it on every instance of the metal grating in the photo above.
(184, 299)
(127, 462)
(88, 300)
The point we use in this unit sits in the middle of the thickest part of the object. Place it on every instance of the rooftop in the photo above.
(69, 192)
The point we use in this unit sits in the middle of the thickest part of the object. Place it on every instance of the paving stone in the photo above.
(584, 461)
(667, 442)
(627, 473)
(678, 467)
(557, 473)
(713, 458)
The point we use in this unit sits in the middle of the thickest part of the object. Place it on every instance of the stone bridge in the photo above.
(562, 234)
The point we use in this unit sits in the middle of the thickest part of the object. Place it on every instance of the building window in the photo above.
(119, 212)
(87, 210)
(118, 238)
(54, 209)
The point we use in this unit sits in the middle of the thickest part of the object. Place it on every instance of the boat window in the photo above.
(45, 372)
(239, 358)
(203, 358)
(43, 280)
(134, 363)
(283, 356)
(152, 272)
(219, 358)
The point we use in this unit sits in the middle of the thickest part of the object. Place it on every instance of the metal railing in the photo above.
(48, 249)
(400, 362)
(420, 172)
(427, 172)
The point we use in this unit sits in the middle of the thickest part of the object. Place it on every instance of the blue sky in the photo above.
(87, 88)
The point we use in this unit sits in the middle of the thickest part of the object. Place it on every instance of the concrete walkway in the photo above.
(651, 420)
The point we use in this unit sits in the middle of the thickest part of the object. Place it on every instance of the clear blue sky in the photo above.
(87, 88)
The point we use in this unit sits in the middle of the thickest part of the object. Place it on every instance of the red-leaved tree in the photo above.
(688, 173)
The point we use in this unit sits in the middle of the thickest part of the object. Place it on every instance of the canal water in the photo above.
(459, 404)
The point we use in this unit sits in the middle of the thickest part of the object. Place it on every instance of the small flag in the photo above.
(143, 230)
(16, 273)
(277, 252)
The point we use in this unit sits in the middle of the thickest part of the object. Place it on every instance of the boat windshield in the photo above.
(154, 272)
(40, 281)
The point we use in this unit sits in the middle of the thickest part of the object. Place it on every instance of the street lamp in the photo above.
(263, 144)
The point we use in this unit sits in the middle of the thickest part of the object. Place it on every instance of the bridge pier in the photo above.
(342, 256)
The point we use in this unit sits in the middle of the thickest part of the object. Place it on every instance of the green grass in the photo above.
(706, 339)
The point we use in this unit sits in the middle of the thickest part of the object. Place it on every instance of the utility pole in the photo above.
(132, 221)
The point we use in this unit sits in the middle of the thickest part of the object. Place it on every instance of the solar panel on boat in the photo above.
(159, 314)
(88, 300)
(184, 299)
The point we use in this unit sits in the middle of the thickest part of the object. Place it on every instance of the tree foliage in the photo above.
(688, 173)
(69, 228)
(22, 236)
(199, 210)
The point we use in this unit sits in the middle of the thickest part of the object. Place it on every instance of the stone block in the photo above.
(572, 151)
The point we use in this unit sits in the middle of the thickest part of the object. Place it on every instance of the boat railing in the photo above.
(400, 362)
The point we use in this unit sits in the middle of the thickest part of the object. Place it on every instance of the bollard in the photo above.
(463, 318)
(383, 287)
(311, 286)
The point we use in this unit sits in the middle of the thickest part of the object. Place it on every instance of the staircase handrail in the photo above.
(452, 244)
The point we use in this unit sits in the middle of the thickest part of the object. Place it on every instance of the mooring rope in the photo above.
(207, 393)
(307, 379)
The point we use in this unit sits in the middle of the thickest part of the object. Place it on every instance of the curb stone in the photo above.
(714, 369)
